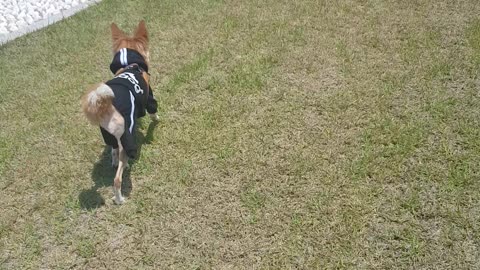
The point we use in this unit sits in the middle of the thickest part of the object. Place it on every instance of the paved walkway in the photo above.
(18, 17)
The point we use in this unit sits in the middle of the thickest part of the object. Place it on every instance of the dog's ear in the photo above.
(141, 31)
(116, 32)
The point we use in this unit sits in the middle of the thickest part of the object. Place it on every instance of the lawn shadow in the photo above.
(103, 173)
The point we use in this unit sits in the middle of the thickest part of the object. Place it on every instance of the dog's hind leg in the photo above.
(115, 126)
(117, 182)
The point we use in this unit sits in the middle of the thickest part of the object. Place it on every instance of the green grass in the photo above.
(293, 135)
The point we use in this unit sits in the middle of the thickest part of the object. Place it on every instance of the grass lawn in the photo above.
(293, 135)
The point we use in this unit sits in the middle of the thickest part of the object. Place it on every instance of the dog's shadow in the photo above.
(103, 173)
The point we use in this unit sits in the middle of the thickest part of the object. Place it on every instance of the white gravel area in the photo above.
(18, 17)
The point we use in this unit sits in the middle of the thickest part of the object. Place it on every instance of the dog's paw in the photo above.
(118, 201)
(154, 117)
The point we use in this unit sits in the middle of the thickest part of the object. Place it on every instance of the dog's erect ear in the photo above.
(116, 32)
(141, 31)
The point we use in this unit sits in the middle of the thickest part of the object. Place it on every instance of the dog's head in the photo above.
(139, 41)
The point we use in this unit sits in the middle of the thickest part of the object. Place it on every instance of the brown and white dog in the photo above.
(116, 104)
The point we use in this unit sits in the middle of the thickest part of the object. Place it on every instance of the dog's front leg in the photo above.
(117, 182)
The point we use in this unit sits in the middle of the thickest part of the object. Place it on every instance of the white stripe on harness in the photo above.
(123, 57)
(132, 99)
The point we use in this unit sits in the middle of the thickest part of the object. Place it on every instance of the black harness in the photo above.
(125, 57)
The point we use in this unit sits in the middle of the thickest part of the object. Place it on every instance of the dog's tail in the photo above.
(97, 103)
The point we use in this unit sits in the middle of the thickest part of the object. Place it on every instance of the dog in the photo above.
(116, 104)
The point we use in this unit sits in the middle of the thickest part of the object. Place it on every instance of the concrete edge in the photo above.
(45, 22)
